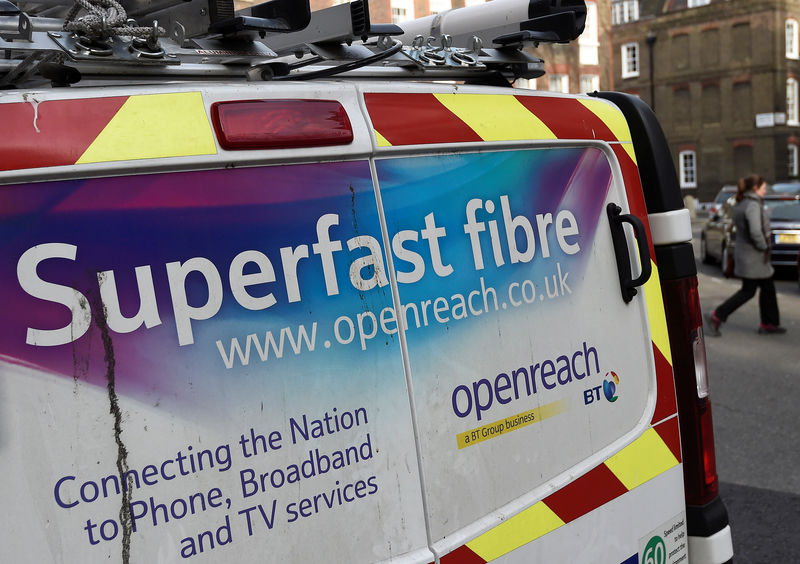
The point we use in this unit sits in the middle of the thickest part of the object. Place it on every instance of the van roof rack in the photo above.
(64, 42)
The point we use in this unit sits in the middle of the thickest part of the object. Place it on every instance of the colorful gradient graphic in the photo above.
(204, 221)
(535, 182)
(122, 224)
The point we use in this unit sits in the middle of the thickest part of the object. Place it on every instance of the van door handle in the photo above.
(616, 219)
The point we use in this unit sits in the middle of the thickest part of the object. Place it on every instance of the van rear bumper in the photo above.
(716, 549)
(710, 540)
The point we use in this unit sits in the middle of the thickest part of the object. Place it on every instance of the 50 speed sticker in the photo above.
(667, 544)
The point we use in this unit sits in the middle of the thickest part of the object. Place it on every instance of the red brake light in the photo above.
(685, 327)
(280, 124)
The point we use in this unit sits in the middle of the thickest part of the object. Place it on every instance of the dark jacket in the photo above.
(752, 238)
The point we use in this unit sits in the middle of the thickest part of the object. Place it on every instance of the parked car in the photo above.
(718, 237)
(785, 240)
(798, 268)
(715, 206)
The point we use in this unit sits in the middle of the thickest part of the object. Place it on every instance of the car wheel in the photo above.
(704, 250)
(726, 262)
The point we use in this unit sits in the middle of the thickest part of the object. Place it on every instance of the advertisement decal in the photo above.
(192, 361)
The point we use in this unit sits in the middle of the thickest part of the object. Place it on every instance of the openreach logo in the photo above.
(609, 387)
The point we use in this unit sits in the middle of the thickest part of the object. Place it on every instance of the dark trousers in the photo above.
(767, 300)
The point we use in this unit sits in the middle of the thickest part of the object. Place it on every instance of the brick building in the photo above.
(722, 76)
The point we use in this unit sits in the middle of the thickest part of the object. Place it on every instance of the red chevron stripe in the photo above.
(633, 184)
(58, 141)
(665, 388)
(670, 433)
(410, 119)
(585, 494)
(633, 190)
(567, 118)
(462, 555)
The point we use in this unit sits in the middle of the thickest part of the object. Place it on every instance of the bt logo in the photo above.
(609, 388)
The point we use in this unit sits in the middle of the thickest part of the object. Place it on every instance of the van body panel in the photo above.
(490, 375)
(443, 292)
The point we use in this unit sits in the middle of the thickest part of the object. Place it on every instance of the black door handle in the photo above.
(616, 219)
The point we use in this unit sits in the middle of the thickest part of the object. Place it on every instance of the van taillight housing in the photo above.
(685, 327)
(280, 124)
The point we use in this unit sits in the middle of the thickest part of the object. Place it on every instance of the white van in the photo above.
(347, 319)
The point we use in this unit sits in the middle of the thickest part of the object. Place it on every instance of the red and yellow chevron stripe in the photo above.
(654, 452)
(422, 118)
(415, 119)
(117, 128)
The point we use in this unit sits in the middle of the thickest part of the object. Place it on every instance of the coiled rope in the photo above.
(106, 18)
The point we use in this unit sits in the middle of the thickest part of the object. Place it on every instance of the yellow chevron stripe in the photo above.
(532, 523)
(382, 141)
(153, 126)
(656, 313)
(614, 120)
(643, 459)
(496, 117)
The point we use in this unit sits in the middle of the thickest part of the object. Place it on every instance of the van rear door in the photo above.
(543, 400)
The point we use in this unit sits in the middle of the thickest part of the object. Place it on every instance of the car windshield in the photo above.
(723, 196)
(786, 212)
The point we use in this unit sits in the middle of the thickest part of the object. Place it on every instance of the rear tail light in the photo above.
(700, 364)
(280, 124)
(685, 326)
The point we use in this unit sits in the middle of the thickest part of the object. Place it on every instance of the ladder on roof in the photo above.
(278, 40)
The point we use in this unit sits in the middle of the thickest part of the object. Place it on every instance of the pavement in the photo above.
(755, 391)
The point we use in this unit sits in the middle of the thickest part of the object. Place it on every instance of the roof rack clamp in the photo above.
(426, 54)
(24, 28)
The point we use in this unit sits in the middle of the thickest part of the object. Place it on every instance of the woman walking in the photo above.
(751, 259)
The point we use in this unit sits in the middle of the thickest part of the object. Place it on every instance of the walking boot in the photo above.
(770, 329)
(713, 324)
